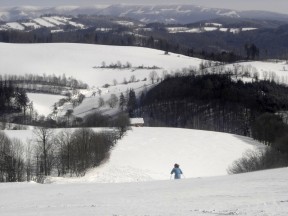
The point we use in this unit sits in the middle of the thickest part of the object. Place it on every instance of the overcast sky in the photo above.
(268, 5)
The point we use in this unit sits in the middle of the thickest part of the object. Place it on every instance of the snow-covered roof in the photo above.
(137, 120)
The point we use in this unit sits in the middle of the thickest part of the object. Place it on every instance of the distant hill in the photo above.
(162, 13)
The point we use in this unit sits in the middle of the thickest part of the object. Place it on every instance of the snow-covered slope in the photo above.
(252, 194)
(146, 154)
(54, 23)
(84, 61)
(43, 103)
(276, 70)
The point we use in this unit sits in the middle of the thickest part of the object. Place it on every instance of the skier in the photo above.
(177, 171)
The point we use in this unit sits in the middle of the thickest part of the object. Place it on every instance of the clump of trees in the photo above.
(252, 51)
(13, 101)
(81, 150)
(69, 152)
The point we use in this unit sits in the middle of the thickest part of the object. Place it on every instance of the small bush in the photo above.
(258, 160)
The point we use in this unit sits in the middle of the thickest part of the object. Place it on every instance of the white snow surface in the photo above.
(78, 60)
(252, 194)
(15, 25)
(43, 22)
(43, 103)
(31, 24)
(214, 27)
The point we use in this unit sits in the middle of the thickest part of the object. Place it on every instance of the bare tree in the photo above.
(153, 76)
(28, 160)
(43, 138)
(63, 144)
(17, 151)
(133, 78)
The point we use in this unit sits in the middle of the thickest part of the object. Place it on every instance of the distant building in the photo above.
(137, 122)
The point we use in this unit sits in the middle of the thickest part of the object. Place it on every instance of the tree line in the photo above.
(44, 83)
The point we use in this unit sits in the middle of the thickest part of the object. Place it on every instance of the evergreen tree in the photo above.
(132, 102)
(122, 102)
(22, 100)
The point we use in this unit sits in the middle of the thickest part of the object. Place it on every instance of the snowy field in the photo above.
(276, 70)
(43, 103)
(83, 61)
(148, 154)
(253, 194)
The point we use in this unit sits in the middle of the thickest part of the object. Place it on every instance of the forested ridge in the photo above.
(211, 102)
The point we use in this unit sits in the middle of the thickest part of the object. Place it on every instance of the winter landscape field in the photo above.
(98, 104)
(259, 193)
(136, 179)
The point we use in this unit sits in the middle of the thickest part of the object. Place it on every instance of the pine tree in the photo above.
(22, 100)
(122, 102)
(132, 102)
